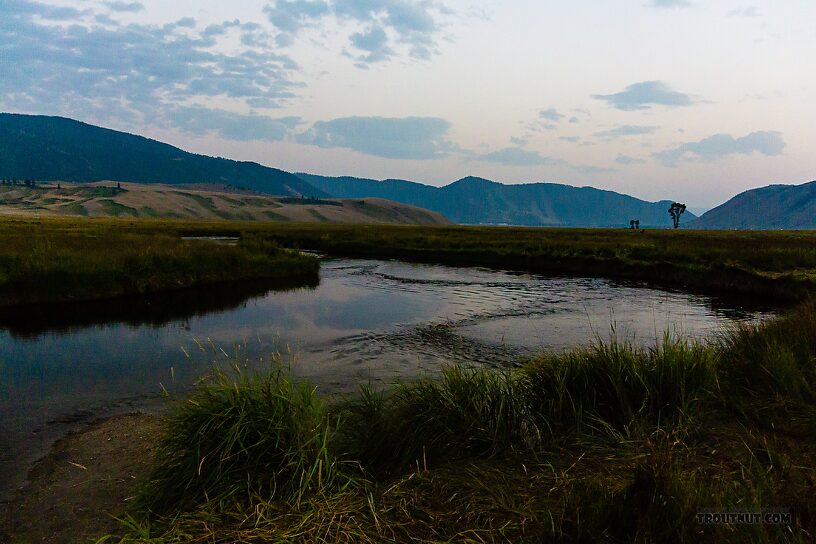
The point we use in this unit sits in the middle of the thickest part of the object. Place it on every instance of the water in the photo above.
(366, 321)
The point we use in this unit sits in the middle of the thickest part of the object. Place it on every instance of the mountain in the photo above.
(474, 200)
(55, 148)
(771, 207)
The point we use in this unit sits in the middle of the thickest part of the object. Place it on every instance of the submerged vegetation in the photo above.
(610, 443)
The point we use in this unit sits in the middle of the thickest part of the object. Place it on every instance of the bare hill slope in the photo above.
(106, 199)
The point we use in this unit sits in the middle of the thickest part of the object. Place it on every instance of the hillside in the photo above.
(55, 148)
(58, 149)
(474, 200)
(771, 207)
(104, 199)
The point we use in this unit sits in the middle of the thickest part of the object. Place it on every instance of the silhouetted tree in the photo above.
(637, 223)
(632, 224)
(676, 210)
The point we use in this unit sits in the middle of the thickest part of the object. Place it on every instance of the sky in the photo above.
(688, 100)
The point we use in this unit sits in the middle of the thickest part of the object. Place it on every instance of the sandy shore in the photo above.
(87, 478)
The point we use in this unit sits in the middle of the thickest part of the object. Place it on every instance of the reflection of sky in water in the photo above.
(366, 321)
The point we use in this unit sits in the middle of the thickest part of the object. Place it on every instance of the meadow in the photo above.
(607, 443)
(47, 258)
(43, 261)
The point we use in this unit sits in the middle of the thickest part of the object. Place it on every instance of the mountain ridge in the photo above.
(476, 200)
(81, 152)
(63, 149)
(775, 206)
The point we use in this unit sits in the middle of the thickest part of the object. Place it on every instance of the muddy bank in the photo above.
(86, 479)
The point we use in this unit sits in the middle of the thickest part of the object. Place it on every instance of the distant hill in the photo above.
(474, 200)
(154, 200)
(55, 148)
(59, 149)
(771, 207)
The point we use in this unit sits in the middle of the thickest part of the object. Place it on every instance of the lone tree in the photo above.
(676, 210)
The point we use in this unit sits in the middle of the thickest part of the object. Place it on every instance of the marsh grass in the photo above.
(611, 443)
(239, 437)
(465, 412)
(66, 261)
(613, 384)
(771, 265)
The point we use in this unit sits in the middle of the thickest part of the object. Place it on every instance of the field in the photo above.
(198, 202)
(612, 443)
(67, 258)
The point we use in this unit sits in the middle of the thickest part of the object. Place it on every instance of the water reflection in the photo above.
(376, 321)
(153, 310)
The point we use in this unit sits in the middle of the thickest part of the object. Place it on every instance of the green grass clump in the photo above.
(776, 358)
(465, 412)
(616, 384)
(238, 439)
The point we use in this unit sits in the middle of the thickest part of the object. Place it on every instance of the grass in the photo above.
(771, 265)
(237, 425)
(59, 260)
(612, 443)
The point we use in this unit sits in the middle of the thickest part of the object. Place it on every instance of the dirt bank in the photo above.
(85, 480)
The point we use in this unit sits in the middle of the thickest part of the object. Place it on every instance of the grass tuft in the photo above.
(239, 438)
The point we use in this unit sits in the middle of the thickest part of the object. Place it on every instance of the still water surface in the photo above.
(366, 321)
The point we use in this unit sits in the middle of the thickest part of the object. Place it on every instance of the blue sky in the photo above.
(680, 99)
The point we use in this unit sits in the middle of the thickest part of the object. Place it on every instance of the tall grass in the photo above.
(465, 412)
(241, 438)
(776, 358)
(611, 443)
(65, 261)
(616, 383)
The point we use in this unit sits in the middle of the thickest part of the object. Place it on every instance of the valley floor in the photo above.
(612, 443)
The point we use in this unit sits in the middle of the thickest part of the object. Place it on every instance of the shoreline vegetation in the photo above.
(49, 261)
(607, 443)
(57, 259)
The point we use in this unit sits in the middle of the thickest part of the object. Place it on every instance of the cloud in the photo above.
(748, 11)
(571, 139)
(417, 138)
(375, 43)
(515, 156)
(518, 141)
(625, 130)
(232, 126)
(388, 26)
(107, 71)
(627, 160)
(550, 114)
(669, 4)
(127, 7)
(290, 16)
(715, 147)
(574, 120)
(641, 96)
(12, 8)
